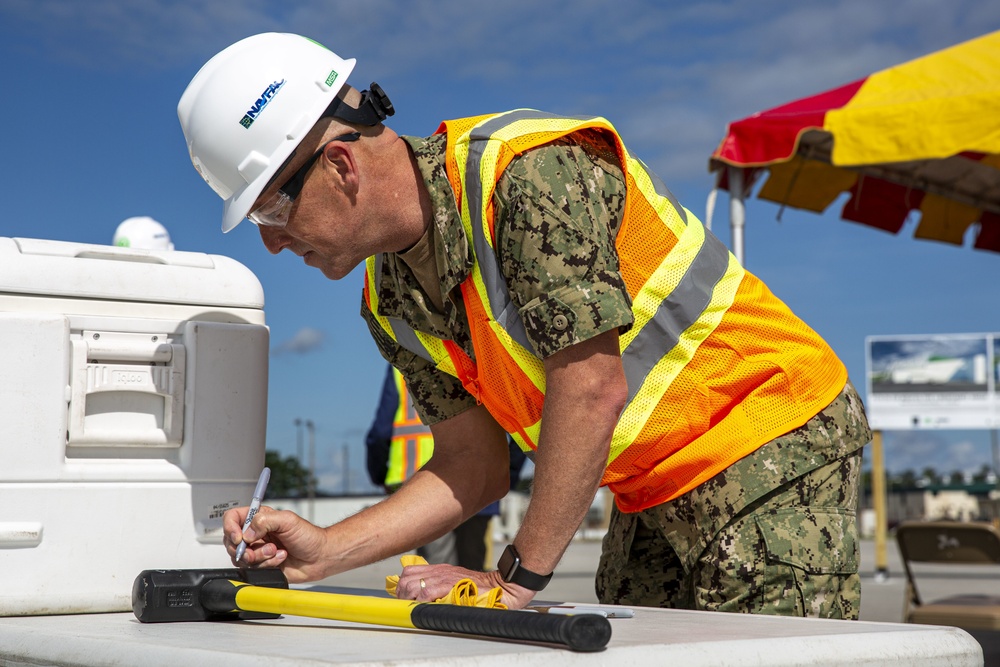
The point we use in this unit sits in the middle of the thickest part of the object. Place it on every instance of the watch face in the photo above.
(509, 562)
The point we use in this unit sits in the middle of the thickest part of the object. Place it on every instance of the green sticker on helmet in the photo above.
(333, 77)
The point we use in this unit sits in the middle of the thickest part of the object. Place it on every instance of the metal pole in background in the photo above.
(298, 449)
(312, 469)
(737, 212)
(298, 440)
(879, 500)
(347, 470)
(995, 495)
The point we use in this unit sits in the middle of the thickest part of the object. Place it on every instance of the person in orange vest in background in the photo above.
(397, 445)
(530, 276)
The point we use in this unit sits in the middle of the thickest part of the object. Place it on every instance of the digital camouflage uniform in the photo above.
(774, 533)
(557, 209)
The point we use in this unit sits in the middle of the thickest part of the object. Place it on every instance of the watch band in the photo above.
(513, 572)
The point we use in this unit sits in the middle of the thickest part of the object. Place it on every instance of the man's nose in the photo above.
(275, 239)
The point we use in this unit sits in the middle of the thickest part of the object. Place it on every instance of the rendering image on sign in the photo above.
(932, 381)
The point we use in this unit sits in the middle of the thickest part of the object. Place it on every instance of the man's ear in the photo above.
(344, 163)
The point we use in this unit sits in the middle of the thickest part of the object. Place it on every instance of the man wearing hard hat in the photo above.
(528, 275)
(142, 232)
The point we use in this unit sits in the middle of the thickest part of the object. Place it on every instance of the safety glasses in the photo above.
(275, 211)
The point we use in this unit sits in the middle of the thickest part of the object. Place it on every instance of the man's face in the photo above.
(321, 222)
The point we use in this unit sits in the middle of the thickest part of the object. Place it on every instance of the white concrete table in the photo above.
(651, 637)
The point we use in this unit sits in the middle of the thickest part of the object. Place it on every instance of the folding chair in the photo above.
(956, 543)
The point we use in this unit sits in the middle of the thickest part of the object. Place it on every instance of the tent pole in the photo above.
(710, 207)
(737, 211)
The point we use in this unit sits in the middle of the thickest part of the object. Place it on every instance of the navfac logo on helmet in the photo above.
(261, 102)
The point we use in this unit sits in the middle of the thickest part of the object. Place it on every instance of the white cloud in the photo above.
(304, 341)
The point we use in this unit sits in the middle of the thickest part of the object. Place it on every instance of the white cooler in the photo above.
(133, 395)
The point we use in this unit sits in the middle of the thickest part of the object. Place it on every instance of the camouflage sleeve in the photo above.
(436, 395)
(558, 208)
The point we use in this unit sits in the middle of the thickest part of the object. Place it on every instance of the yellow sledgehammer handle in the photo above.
(334, 606)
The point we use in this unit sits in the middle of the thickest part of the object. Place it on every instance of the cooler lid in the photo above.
(88, 271)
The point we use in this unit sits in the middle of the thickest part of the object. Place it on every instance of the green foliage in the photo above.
(903, 481)
(983, 475)
(931, 476)
(288, 478)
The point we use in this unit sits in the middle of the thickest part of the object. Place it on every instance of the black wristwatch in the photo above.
(513, 572)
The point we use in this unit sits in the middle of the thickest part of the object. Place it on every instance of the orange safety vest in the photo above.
(412, 443)
(716, 365)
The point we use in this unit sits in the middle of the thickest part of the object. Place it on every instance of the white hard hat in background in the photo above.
(142, 232)
(248, 107)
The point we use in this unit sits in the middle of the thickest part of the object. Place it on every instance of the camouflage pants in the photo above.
(775, 533)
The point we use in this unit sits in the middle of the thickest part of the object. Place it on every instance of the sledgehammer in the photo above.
(161, 596)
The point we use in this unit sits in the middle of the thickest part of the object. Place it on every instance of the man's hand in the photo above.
(438, 580)
(469, 470)
(277, 538)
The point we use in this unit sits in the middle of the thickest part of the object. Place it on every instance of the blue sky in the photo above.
(91, 137)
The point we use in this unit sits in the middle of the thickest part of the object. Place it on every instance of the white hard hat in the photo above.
(248, 107)
(142, 232)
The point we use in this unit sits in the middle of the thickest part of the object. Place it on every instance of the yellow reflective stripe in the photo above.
(533, 367)
(665, 279)
(461, 157)
(403, 407)
(534, 432)
(435, 347)
(662, 205)
(546, 124)
(665, 371)
(373, 297)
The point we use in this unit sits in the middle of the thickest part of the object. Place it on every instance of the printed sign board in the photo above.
(946, 381)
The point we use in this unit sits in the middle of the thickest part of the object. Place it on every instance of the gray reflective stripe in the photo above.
(403, 332)
(502, 308)
(489, 128)
(411, 457)
(407, 337)
(661, 189)
(676, 313)
(413, 429)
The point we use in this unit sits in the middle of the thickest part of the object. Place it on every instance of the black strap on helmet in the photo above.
(374, 108)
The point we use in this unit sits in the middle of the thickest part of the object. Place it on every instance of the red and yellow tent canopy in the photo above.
(924, 135)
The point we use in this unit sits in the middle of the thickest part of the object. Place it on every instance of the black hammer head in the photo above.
(163, 596)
